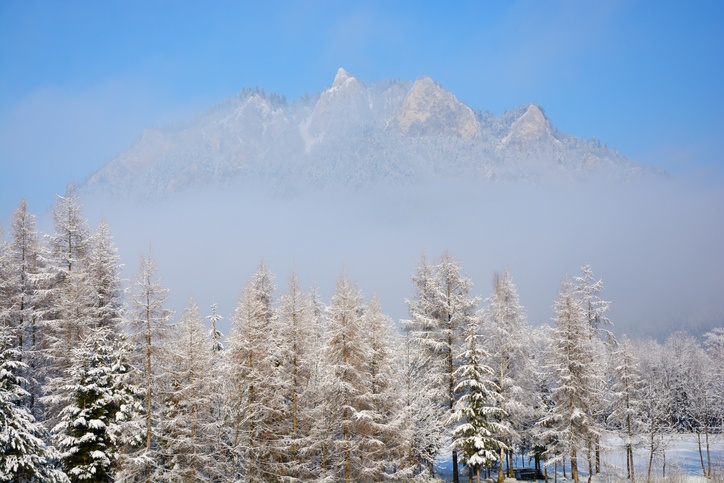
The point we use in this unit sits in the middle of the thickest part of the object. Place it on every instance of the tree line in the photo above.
(100, 382)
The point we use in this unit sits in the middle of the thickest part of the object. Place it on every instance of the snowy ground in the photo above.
(682, 462)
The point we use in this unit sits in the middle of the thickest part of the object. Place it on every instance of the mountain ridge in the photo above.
(353, 135)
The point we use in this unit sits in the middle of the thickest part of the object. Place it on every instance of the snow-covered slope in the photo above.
(352, 135)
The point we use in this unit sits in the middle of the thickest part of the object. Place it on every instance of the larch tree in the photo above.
(148, 324)
(65, 295)
(296, 352)
(345, 356)
(382, 424)
(23, 259)
(187, 428)
(588, 290)
(478, 432)
(569, 423)
(439, 314)
(507, 334)
(250, 362)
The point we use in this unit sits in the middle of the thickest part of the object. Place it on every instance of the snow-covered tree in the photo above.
(65, 296)
(714, 343)
(25, 456)
(216, 335)
(383, 429)
(656, 399)
(588, 290)
(250, 363)
(296, 351)
(23, 267)
(479, 435)
(187, 430)
(439, 314)
(691, 391)
(570, 424)
(345, 357)
(98, 405)
(148, 324)
(104, 278)
(508, 337)
(626, 414)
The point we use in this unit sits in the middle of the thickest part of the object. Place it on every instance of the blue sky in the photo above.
(79, 80)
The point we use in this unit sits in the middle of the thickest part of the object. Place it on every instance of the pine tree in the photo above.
(97, 402)
(479, 436)
(24, 455)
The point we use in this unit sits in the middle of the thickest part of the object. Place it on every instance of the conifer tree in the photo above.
(439, 313)
(187, 427)
(98, 402)
(104, 279)
(66, 297)
(23, 269)
(25, 457)
(478, 436)
(148, 324)
(382, 424)
(296, 349)
(345, 356)
(250, 363)
(569, 422)
(507, 335)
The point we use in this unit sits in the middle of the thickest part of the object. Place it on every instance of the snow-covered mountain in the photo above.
(352, 135)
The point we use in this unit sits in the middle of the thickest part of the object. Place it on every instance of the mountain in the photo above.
(352, 135)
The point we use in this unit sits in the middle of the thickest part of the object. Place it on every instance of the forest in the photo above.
(101, 382)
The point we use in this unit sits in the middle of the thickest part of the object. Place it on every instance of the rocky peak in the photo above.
(430, 110)
(529, 128)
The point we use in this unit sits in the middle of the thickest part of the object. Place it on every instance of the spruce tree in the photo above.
(25, 456)
(477, 434)
(98, 400)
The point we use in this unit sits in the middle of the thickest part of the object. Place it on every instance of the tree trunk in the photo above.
(456, 476)
(708, 453)
(574, 465)
(651, 457)
(598, 453)
(701, 455)
(501, 474)
(589, 457)
(664, 472)
(510, 464)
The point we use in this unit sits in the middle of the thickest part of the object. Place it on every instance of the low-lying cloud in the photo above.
(657, 244)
